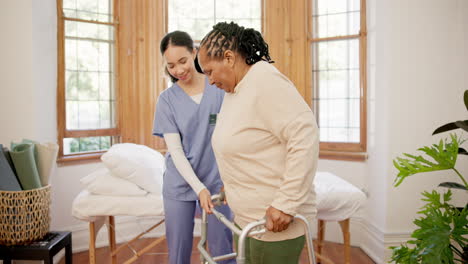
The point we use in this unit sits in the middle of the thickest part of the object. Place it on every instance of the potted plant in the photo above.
(442, 228)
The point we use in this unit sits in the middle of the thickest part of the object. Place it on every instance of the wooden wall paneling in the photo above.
(276, 33)
(285, 30)
(299, 46)
(141, 80)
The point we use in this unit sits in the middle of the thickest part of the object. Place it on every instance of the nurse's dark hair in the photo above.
(179, 39)
(248, 42)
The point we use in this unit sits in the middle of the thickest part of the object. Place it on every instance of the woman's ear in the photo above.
(229, 57)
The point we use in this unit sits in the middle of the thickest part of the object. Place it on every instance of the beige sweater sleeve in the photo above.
(301, 138)
(291, 120)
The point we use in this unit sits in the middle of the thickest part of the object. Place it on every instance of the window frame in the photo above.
(62, 131)
(344, 150)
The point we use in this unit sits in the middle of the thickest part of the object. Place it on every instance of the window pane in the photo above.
(72, 115)
(104, 114)
(197, 28)
(322, 7)
(87, 144)
(88, 115)
(90, 96)
(71, 80)
(337, 135)
(246, 13)
(338, 109)
(340, 24)
(194, 17)
(92, 31)
(198, 17)
(354, 121)
(100, 10)
(336, 18)
(336, 89)
(90, 101)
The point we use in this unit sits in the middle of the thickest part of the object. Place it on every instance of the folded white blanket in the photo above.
(138, 164)
(337, 199)
(89, 207)
(102, 182)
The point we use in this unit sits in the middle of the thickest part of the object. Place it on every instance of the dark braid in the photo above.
(248, 42)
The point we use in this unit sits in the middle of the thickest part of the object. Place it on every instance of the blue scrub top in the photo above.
(176, 112)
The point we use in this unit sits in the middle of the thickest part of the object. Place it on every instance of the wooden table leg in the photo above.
(346, 240)
(320, 238)
(92, 244)
(112, 245)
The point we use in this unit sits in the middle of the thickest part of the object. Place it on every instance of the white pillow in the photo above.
(102, 182)
(136, 163)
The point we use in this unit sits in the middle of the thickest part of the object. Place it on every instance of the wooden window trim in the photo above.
(62, 132)
(337, 150)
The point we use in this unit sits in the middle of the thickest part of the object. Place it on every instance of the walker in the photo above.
(252, 229)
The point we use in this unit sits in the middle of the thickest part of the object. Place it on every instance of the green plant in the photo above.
(442, 228)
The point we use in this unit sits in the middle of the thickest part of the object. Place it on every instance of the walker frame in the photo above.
(251, 229)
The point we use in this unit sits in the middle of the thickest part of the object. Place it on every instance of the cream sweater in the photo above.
(266, 145)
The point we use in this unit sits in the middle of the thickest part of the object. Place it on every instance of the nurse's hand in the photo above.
(205, 200)
(276, 220)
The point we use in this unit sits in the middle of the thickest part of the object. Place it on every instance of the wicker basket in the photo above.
(24, 216)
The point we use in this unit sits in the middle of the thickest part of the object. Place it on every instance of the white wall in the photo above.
(418, 68)
(16, 93)
(420, 63)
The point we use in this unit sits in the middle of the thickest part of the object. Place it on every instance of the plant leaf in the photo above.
(462, 151)
(445, 128)
(462, 124)
(465, 99)
(451, 126)
(453, 185)
(441, 228)
(444, 154)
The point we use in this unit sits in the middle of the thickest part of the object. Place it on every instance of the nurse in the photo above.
(185, 117)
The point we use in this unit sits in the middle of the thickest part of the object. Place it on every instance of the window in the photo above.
(338, 50)
(87, 90)
(198, 17)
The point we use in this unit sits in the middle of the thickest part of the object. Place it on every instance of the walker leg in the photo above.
(203, 234)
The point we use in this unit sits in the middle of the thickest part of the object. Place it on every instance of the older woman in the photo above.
(265, 141)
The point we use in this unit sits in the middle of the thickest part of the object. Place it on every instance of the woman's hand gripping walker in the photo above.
(252, 229)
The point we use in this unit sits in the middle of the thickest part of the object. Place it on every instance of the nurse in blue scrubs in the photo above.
(185, 117)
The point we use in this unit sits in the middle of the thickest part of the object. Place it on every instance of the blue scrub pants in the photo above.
(179, 222)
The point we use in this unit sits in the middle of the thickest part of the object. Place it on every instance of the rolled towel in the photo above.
(6, 152)
(46, 160)
(8, 180)
(45, 155)
(25, 165)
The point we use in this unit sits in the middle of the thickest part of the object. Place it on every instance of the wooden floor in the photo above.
(332, 251)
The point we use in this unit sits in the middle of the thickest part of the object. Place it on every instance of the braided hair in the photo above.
(179, 39)
(248, 42)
